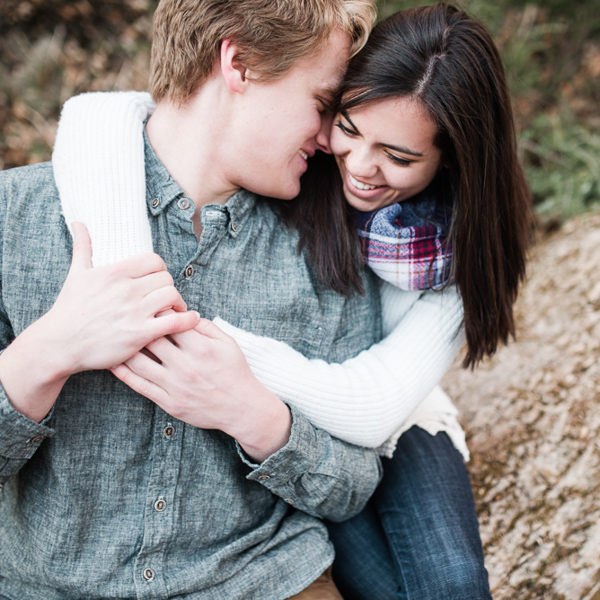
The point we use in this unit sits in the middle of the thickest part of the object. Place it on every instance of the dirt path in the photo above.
(532, 415)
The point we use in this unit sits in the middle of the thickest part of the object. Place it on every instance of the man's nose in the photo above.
(324, 132)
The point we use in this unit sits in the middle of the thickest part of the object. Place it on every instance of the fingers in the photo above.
(82, 247)
(140, 265)
(212, 331)
(161, 281)
(163, 349)
(162, 299)
(207, 330)
(172, 323)
(139, 384)
(152, 281)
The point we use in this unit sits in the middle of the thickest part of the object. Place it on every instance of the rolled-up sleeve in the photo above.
(317, 473)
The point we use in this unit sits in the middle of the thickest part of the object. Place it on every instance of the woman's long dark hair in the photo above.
(446, 60)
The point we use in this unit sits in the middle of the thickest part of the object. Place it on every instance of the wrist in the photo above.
(31, 374)
(266, 430)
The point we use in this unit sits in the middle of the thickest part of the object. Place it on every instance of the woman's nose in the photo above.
(360, 161)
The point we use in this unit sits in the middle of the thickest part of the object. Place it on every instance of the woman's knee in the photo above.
(462, 579)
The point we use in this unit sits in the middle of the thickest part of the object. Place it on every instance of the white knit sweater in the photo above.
(368, 400)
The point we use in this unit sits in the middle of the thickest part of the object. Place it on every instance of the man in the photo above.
(107, 495)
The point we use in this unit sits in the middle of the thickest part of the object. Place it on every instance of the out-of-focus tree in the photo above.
(51, 50)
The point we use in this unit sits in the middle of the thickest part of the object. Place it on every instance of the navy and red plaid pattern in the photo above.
(406, 244)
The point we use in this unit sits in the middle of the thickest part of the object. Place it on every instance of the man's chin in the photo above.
(284, 194)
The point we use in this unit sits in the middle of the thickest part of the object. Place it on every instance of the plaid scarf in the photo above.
(405, 243)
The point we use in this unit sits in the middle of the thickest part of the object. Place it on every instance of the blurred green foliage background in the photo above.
(52, 49)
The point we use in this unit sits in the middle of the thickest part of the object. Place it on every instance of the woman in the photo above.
(423, 138)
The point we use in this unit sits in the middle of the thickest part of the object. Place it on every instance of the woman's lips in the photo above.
(360, 189)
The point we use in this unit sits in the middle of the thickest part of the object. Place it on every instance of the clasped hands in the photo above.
(129, 318)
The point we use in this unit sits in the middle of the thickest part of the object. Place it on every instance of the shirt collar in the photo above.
(162, 189)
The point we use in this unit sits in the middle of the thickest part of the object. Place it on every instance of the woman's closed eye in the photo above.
(345, 129)
(397, 160)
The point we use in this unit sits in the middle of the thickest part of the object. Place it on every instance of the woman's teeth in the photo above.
(303, 154)
(359, 185)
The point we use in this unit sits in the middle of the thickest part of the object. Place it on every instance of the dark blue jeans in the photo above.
(418, 538)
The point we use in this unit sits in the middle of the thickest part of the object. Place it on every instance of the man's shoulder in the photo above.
(43, 169)
(28, 193)
(30, 176)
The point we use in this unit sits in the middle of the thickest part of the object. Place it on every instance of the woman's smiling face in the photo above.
(385, 152)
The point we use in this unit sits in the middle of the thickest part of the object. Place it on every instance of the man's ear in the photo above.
(234, 73)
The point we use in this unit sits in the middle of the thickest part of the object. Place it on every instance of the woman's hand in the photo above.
(201, 377)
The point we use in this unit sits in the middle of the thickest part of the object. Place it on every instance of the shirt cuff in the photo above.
(20, 438)
(298, 457)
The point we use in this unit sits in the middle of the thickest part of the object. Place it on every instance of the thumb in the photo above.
(82, 247)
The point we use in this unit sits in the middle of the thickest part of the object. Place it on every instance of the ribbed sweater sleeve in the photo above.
(98, 163)
(365, 399)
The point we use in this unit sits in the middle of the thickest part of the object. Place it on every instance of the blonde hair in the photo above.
(273, 36)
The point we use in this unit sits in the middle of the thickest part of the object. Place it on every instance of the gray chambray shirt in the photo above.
(110, 497)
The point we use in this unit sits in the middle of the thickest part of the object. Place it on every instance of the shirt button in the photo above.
(160, 505)
(183, 203)
(168, 431)
(148, 574)
(189, 271)
(234, 226)
(289, 500)
(36, 439)
(264, 477)
(155, 202)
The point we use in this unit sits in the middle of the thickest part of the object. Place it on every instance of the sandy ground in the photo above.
(532, 415)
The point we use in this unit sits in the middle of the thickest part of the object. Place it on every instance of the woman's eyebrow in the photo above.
(402, 149)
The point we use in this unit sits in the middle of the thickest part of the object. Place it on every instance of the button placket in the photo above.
(160, 512)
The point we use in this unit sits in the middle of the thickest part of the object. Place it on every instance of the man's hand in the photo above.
(101, 317)
(201, 377)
